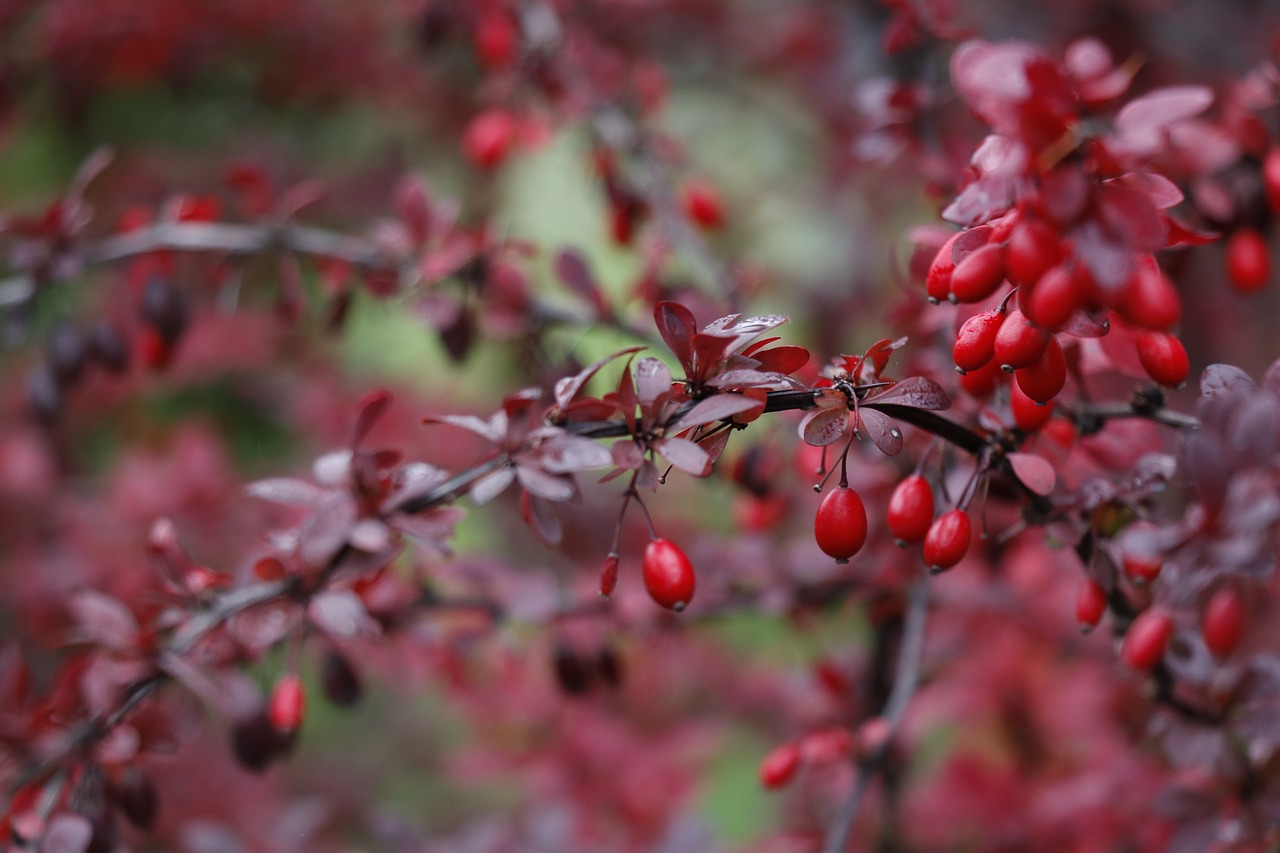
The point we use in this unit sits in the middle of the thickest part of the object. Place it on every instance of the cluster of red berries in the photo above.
(1053, 289)
(840, 525)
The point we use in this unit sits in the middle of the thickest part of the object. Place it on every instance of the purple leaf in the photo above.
(677, 328)
(573, 453)
(568, 387)
(413, 206)
(708, 351)
(341, 613)
(1131, 215)
(326, 530)
(286, 490)
(265, 625)
(1220, 380)
(572, 270)
(372, 407)
(882, 430)
(685, 455)
(104, 620)
(715, 444)
(491, 485)
(490, 431)
(652, 378)
(67, 833)
(822, 427)
(713, 409)
(553, 487)
(433, 529)
(768, 380)
(541, 516)
(1035, 472)
(627, 454)
(784, 360)
(917, 392)
(1162, 192)
(412, 480)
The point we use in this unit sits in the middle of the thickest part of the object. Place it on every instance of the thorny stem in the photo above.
(904, 687)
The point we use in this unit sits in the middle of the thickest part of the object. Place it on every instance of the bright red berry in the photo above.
(668, 575)
(288, 703)
(702, 205)
(937, 282)
(1163, 357)
(780, 765)
(1042, 380)
(1149, 300)
(947, 540)
(1223, 622)
(910, 512)
(1248, 261)
(1052, 300)
(1018, 343)
(496, 40)
(983, 381)
(609, 576)
(1144, 645)
(489, 137)
(841, 524)
(1028, 415)
(978, 274)
(1033, 249)
(1090, 605)
(976, 340)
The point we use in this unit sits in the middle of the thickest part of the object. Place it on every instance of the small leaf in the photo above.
(104, 620)
(490, 431)
(67, 833)
(541, 516)
(573, 453)
(732, 380)
(568, 387)
(677, 327)
(553, 487)
(491, 485)
(627, 454)
(413, 480)
(882, 430)
(1142, 119)
(1035, 472)
(917, 392)
(286, 490)
(685, 455)
(572, 269)
(715, 408)
(652, 378)
(782, 359)
(341, 613)
(824, 426)
(326, 530)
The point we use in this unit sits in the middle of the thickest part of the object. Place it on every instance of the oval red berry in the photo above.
(910, 512)
(668, 575)
(841, 524)
(947, 541)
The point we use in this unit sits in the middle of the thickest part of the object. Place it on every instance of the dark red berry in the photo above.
(1163, 357)
(1051, 301)
(947, 540)
(108, 347)
(1018, 343)
(165, 309)
(609, 667)
(66, 352)
(910, 512)
(572, 672)
(43, 394)
(1248, 261)
(1033, 249)
(1028, 415)
(1042, 380)
(840, 525)
(978, 274)
(256, 743)
(135, 794)
(984, 381)
(287, 704)
(976, 340)
(1271, 178)
(780, 765)
(1090, 605)
(341, 681)
(609, 575)
(1145, 642)
(702, 205)
(1223, 622)
(668, 575)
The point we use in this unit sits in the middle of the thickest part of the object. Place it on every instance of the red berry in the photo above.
(1043, 380)
(1033, 249)
(1223, 622)
(702, 205)
(1052, 300)
(1149, 299)
(496, 40)
(287, 704)
(841, 524)
(1163, 357)
(759, 513)
(978, 274)
(1271, 178)
(937, 282)
(780, 765)
(1148, 635)
(947, 541)
(1248, 261)
(983, 381)
(609, 576)
(976, 340)
(1018, 343)
(489, 137)
(1090, 605)
(910, 512)
(668, 575)
(1027, 413)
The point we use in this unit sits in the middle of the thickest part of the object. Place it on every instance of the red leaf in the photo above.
(372, 407)
(553, 487)
(1035, 472)
(784, 359)
(286, 490)
(341, 613)
(652, 378)
(568, 387)
(917, 392)
(1143, 119)
(491, 485)
(572, 270)
(326, 530)
(685, 455)
(677, 328)
(882, 430)
(413, 206)
(104, 620)
(541, 516)
(564, 454)
(713, 409)
(823, 427)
